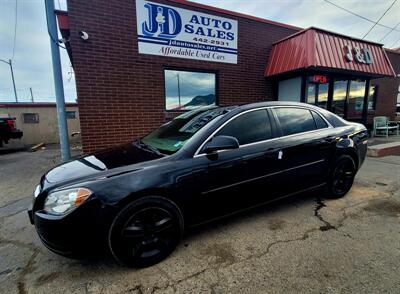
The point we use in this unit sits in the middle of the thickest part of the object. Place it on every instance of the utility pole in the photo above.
(58, 82)
(31, 94)
(179, 92)
(9, 62)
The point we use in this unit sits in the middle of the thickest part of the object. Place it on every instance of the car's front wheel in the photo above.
(146, 231)
(342, 177)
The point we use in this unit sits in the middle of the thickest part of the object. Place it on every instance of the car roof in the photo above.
(333, 119)
(276, 103)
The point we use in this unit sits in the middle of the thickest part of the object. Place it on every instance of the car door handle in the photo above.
(329, 139)
(274, 153)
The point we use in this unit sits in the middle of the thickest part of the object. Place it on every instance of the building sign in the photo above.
(320, 79)
(170, 31)
(360, 55)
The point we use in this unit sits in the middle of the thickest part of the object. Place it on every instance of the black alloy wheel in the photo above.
(146, 231)
(342, 176)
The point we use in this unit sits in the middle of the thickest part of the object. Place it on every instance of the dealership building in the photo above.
(140, 63)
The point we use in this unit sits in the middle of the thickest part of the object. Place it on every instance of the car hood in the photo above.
(99, 163)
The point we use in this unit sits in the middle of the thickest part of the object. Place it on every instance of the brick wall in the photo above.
(387, 90)
(121, 92)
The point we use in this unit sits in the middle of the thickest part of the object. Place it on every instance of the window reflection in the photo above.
(295, 120)
(339, 96)
(185, 90)
(311, 93)
(355, 102)
(371, 97)
(323, 96)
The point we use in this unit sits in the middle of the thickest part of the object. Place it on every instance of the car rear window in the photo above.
(319, 121)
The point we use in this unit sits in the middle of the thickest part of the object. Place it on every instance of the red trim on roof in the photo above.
(63, 20)
(36, 104)
(237, 14)
(395, 50)
(320, 49)
(326, 31)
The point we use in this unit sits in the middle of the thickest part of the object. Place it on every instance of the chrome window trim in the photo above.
(198, 154)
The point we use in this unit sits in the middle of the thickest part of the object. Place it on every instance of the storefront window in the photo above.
(322, 99)
(290, 90)
(311, 93)
(373, 91)
(355, 102)
(339, 96)
(317, 90)
(185, 90)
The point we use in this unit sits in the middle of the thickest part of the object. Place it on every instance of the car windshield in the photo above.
(171, 136)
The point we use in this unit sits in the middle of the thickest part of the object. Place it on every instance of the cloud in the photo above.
(305, 13)
(191, 83)
(32, 61)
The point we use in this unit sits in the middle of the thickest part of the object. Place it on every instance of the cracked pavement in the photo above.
(303, 244)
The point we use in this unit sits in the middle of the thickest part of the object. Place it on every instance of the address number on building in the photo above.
(361, 55)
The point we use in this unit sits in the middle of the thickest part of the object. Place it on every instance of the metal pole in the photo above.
(58, 82)
(9, 62)
(13, 80)
(31, 94)
(179, 92)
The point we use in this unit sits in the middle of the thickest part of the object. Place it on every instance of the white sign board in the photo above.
(170, 31)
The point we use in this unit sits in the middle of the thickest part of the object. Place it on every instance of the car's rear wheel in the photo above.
(146, 231)
(342, 177)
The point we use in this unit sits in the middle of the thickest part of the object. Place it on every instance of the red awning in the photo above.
(314, 48)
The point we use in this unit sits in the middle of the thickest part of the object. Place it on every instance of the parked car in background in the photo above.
(137, 199)
(8, 130)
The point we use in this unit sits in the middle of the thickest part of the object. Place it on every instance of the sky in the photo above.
(191, 84)
(32, 59)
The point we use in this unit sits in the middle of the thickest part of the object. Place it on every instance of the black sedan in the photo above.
(137, 199)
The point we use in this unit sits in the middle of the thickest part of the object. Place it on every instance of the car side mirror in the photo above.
(221, 143)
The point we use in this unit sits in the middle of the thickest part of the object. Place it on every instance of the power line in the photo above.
(395, 43)
(389, 32)
(358, 15)
(380, 18)
(15, 28)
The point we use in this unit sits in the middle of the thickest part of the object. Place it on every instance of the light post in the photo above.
(9, 62)
(58, 82)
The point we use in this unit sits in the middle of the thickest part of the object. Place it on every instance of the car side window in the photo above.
(319, 121)
(295, 120)
(253, 126)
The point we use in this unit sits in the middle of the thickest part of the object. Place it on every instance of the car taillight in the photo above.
(11, 124)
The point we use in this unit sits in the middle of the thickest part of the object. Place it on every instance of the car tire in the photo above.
(341, 177)
(146, 231)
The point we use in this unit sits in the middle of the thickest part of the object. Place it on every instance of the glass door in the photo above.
(339, 97)
(311, 92)
(355, 101)
(317, 91)
(322, 98)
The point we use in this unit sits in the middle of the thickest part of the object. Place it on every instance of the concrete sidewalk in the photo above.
(301, 245)
(381, 146)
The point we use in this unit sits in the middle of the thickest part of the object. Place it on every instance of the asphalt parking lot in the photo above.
(306, 244)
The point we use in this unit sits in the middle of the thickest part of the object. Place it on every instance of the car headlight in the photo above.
(36, 192)
(62, 202)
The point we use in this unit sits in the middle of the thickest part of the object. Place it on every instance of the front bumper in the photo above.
(83, 230)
